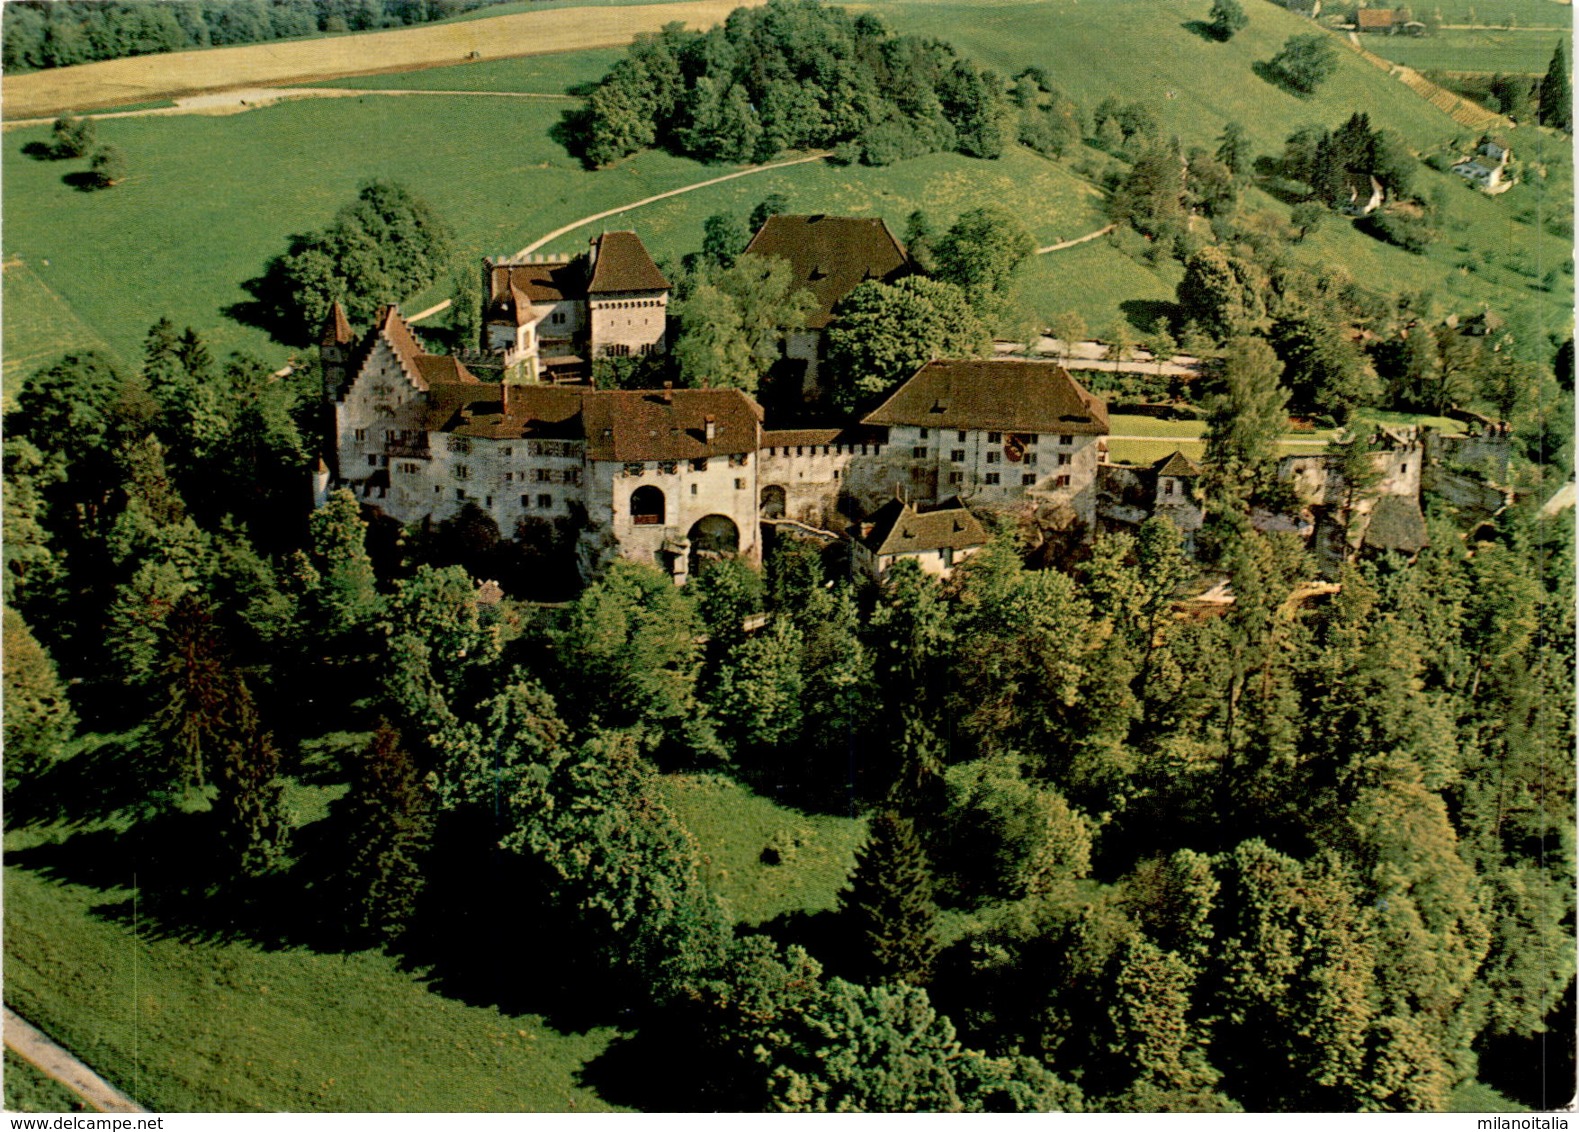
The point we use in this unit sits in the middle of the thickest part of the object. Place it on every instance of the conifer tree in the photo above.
(889, 903)
(387, 823)
(1556, 93)
(249, 801)
(195, 719)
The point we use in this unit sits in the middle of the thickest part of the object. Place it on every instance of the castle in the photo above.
(674, 476)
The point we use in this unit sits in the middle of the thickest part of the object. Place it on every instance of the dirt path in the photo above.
(585, 220)
(1089, 236)
(147, 78)
(30, 1044)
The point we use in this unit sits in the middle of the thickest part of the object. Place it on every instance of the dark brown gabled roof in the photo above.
(517, 411)
(897, 528)
(514, 288)
(658, 424)
(620, 263)
(997, 394)
(832, 255)
(1178, 465)
(336, 327)
(1397, 524)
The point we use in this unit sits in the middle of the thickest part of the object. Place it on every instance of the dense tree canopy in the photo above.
(887, 331)
(794, 74)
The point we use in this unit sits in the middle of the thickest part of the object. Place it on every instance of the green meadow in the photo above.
(1511, 51)
(29, 1089)
(210, 199)
(196, 1021)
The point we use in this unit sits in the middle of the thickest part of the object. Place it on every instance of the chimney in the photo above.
(668, 393)
(709, 426)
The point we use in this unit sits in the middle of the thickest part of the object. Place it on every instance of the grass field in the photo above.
(533, 32)
(531, 74)
(38, 324)
(733, 826)
(184, 1025)
(203, 224)
(1491, 49)
(1525, 13)
(28, 1089)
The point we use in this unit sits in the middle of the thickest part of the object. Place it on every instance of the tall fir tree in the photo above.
(387, 824)
(889, 904)
(1557, 93)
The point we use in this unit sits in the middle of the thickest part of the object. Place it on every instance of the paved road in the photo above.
(29, 1043)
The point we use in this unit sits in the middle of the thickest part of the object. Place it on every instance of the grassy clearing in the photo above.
(197, 1025)
(533, 74)
(1492, 49)
(28, 1089)
(38, 325)
(734, 826)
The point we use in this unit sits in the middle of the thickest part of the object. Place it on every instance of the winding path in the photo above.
(1089, 236)
(585, 220)
(30, 1044)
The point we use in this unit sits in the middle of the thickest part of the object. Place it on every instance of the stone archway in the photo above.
(774, 502)
(712, 537)
(647, 507)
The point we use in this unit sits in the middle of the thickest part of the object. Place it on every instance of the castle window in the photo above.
(361, 434)
(526, 501)
(647, 507)
(693, 489)
(462, 472)
(1029, 459)
(962, 436)
(1064, 458)
(409, 469)
(1061, 481)
(546, 502)
(919, 452)
(558, 318)
(990, 477)
(1030, 438)
(995, 438)
(372, 461)
(994, 457)
(740, 460)
(507, 452)
(669, 467)
(1167, 487)
(699, 464)
(635, 469)
(923, 434)
(573, 475)
(543, 475)
(487, 501)
(460, 494)
(1066, 440)
(956, 477)
(1028, 479)
(740, 484)
(458, 444)
(957, 455)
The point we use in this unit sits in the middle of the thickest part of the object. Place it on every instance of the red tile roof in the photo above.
(620, 263)
(336, 327)
(657, 424)
(995, 393)
(832, 255)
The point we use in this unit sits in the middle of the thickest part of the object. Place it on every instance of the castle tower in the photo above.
(334, 348)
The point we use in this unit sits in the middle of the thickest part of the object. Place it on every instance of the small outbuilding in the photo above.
(938, 539)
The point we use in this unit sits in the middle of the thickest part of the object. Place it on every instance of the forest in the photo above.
(792, 75)
(1311, 850)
